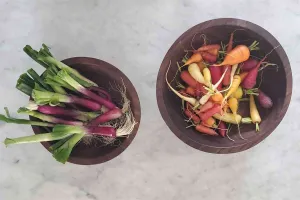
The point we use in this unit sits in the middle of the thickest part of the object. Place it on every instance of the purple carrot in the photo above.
(248, 64)
(250, 80)
(216, 73)
(109, 115)
(264, 100)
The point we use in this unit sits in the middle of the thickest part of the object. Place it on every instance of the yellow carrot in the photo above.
(254, 114)
(235, 84)
(233, 105)
(229, 118)
(207, 75)
(204, 98)
(195, 72)
(238, 93)
(191, 100)
(210, 122)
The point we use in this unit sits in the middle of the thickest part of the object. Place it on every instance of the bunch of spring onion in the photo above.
(72, 105)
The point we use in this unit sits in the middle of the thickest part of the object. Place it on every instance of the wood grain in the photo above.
(103, 74)
(216, 31)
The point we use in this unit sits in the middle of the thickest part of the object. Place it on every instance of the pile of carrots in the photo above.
(216, 78)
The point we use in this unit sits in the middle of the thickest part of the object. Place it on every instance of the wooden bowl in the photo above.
(103, 74)
(278, 85)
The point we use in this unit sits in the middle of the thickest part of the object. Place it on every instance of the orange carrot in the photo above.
(206, 130)
(206, 106)
(192, 116)
(195, 58)
(214, 52)
(191, 91)
(217, 97)
(209, 47)
(243, 75)
(237, 55)
(188, 79)
(201, 65)
(210, 112)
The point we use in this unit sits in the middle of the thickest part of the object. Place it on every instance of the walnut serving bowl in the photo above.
(277, 84)
(103, 74)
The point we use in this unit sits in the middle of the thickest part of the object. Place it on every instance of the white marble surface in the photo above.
(135, 35)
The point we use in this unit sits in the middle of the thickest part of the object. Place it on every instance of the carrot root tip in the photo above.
(257, 127)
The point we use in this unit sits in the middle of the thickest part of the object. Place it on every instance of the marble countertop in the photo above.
(135, 35)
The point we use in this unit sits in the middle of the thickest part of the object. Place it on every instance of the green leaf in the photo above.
(34, 55)
(26, 89)
(35, 114)
(7, 112)
(24, 121)
(58, 144)
(62, 153)
(39, 87)
(42, 98)
(47, 49)
(74, 73)
(57, 81)
(36, 138)
(64, 76)
(38, 79)
(68, 129)
(59, 89)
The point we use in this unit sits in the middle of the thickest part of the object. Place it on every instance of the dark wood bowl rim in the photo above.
(249, 143)
(135, 101)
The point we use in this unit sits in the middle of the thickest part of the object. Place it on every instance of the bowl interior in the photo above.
(106, 76)
(274, 83)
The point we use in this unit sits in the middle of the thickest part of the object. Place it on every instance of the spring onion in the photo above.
(67, 78)
(55, 110)
(42, 98)
(48, 118)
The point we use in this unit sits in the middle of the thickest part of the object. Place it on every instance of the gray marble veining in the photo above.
(135, 35)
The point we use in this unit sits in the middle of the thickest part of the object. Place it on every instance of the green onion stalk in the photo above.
(44, 97)
(48, 118)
